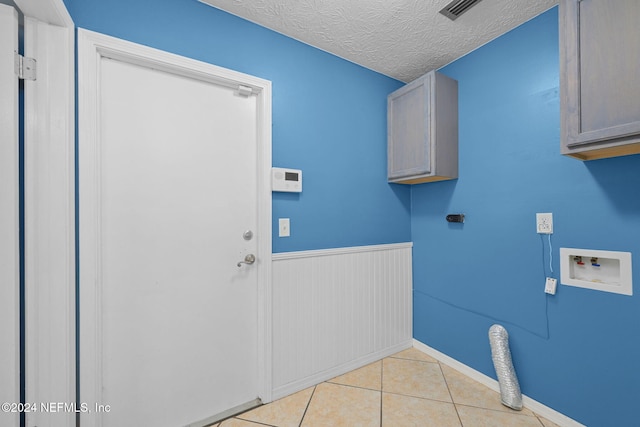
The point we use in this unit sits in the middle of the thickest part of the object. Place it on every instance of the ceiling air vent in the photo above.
(457, 7)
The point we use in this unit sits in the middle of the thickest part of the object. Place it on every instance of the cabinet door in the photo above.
(600, 63)
(408, 134)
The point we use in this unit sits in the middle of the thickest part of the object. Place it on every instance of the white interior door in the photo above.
(169, 187)
(9, 249)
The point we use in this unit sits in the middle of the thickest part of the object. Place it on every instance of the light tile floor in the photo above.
(407, 389)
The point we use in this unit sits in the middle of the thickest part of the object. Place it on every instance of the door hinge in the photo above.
(25, 68)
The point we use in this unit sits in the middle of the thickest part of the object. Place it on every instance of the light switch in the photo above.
(284, 227)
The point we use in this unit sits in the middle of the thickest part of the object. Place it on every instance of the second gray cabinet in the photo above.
(422, 126)
(599, 78)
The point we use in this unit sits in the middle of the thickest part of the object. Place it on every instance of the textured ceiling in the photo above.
(402, 39)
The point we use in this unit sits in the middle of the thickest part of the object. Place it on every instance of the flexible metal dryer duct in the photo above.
(510, 394)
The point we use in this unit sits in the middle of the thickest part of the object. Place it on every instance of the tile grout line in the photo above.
(414, 360)
(352, 386)
(515, 413)
(381, 387)
(308, 404)
(539, 420)
(450, 395)
(239, 417)
(423, 398)
(249, 421)
(402, 394)
(498, 411)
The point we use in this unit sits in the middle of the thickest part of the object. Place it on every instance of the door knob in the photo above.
(249, 259)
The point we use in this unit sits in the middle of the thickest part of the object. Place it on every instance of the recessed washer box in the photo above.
(607, 271)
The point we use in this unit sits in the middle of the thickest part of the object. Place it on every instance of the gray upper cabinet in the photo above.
(422, 126)
(600, 78)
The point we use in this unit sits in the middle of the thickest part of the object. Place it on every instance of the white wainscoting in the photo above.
(338, 309)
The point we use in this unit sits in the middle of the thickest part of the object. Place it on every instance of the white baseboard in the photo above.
(296, 386)
(529, 403)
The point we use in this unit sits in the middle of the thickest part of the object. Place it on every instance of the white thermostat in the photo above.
(289, 180)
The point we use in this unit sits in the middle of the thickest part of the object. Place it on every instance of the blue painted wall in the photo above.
(329, 116)
(577, 351)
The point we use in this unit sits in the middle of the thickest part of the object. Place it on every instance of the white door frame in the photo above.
(91, 48)
(49, 187)
(9, 219)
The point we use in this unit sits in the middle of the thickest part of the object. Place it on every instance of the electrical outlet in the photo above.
(544, 223)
